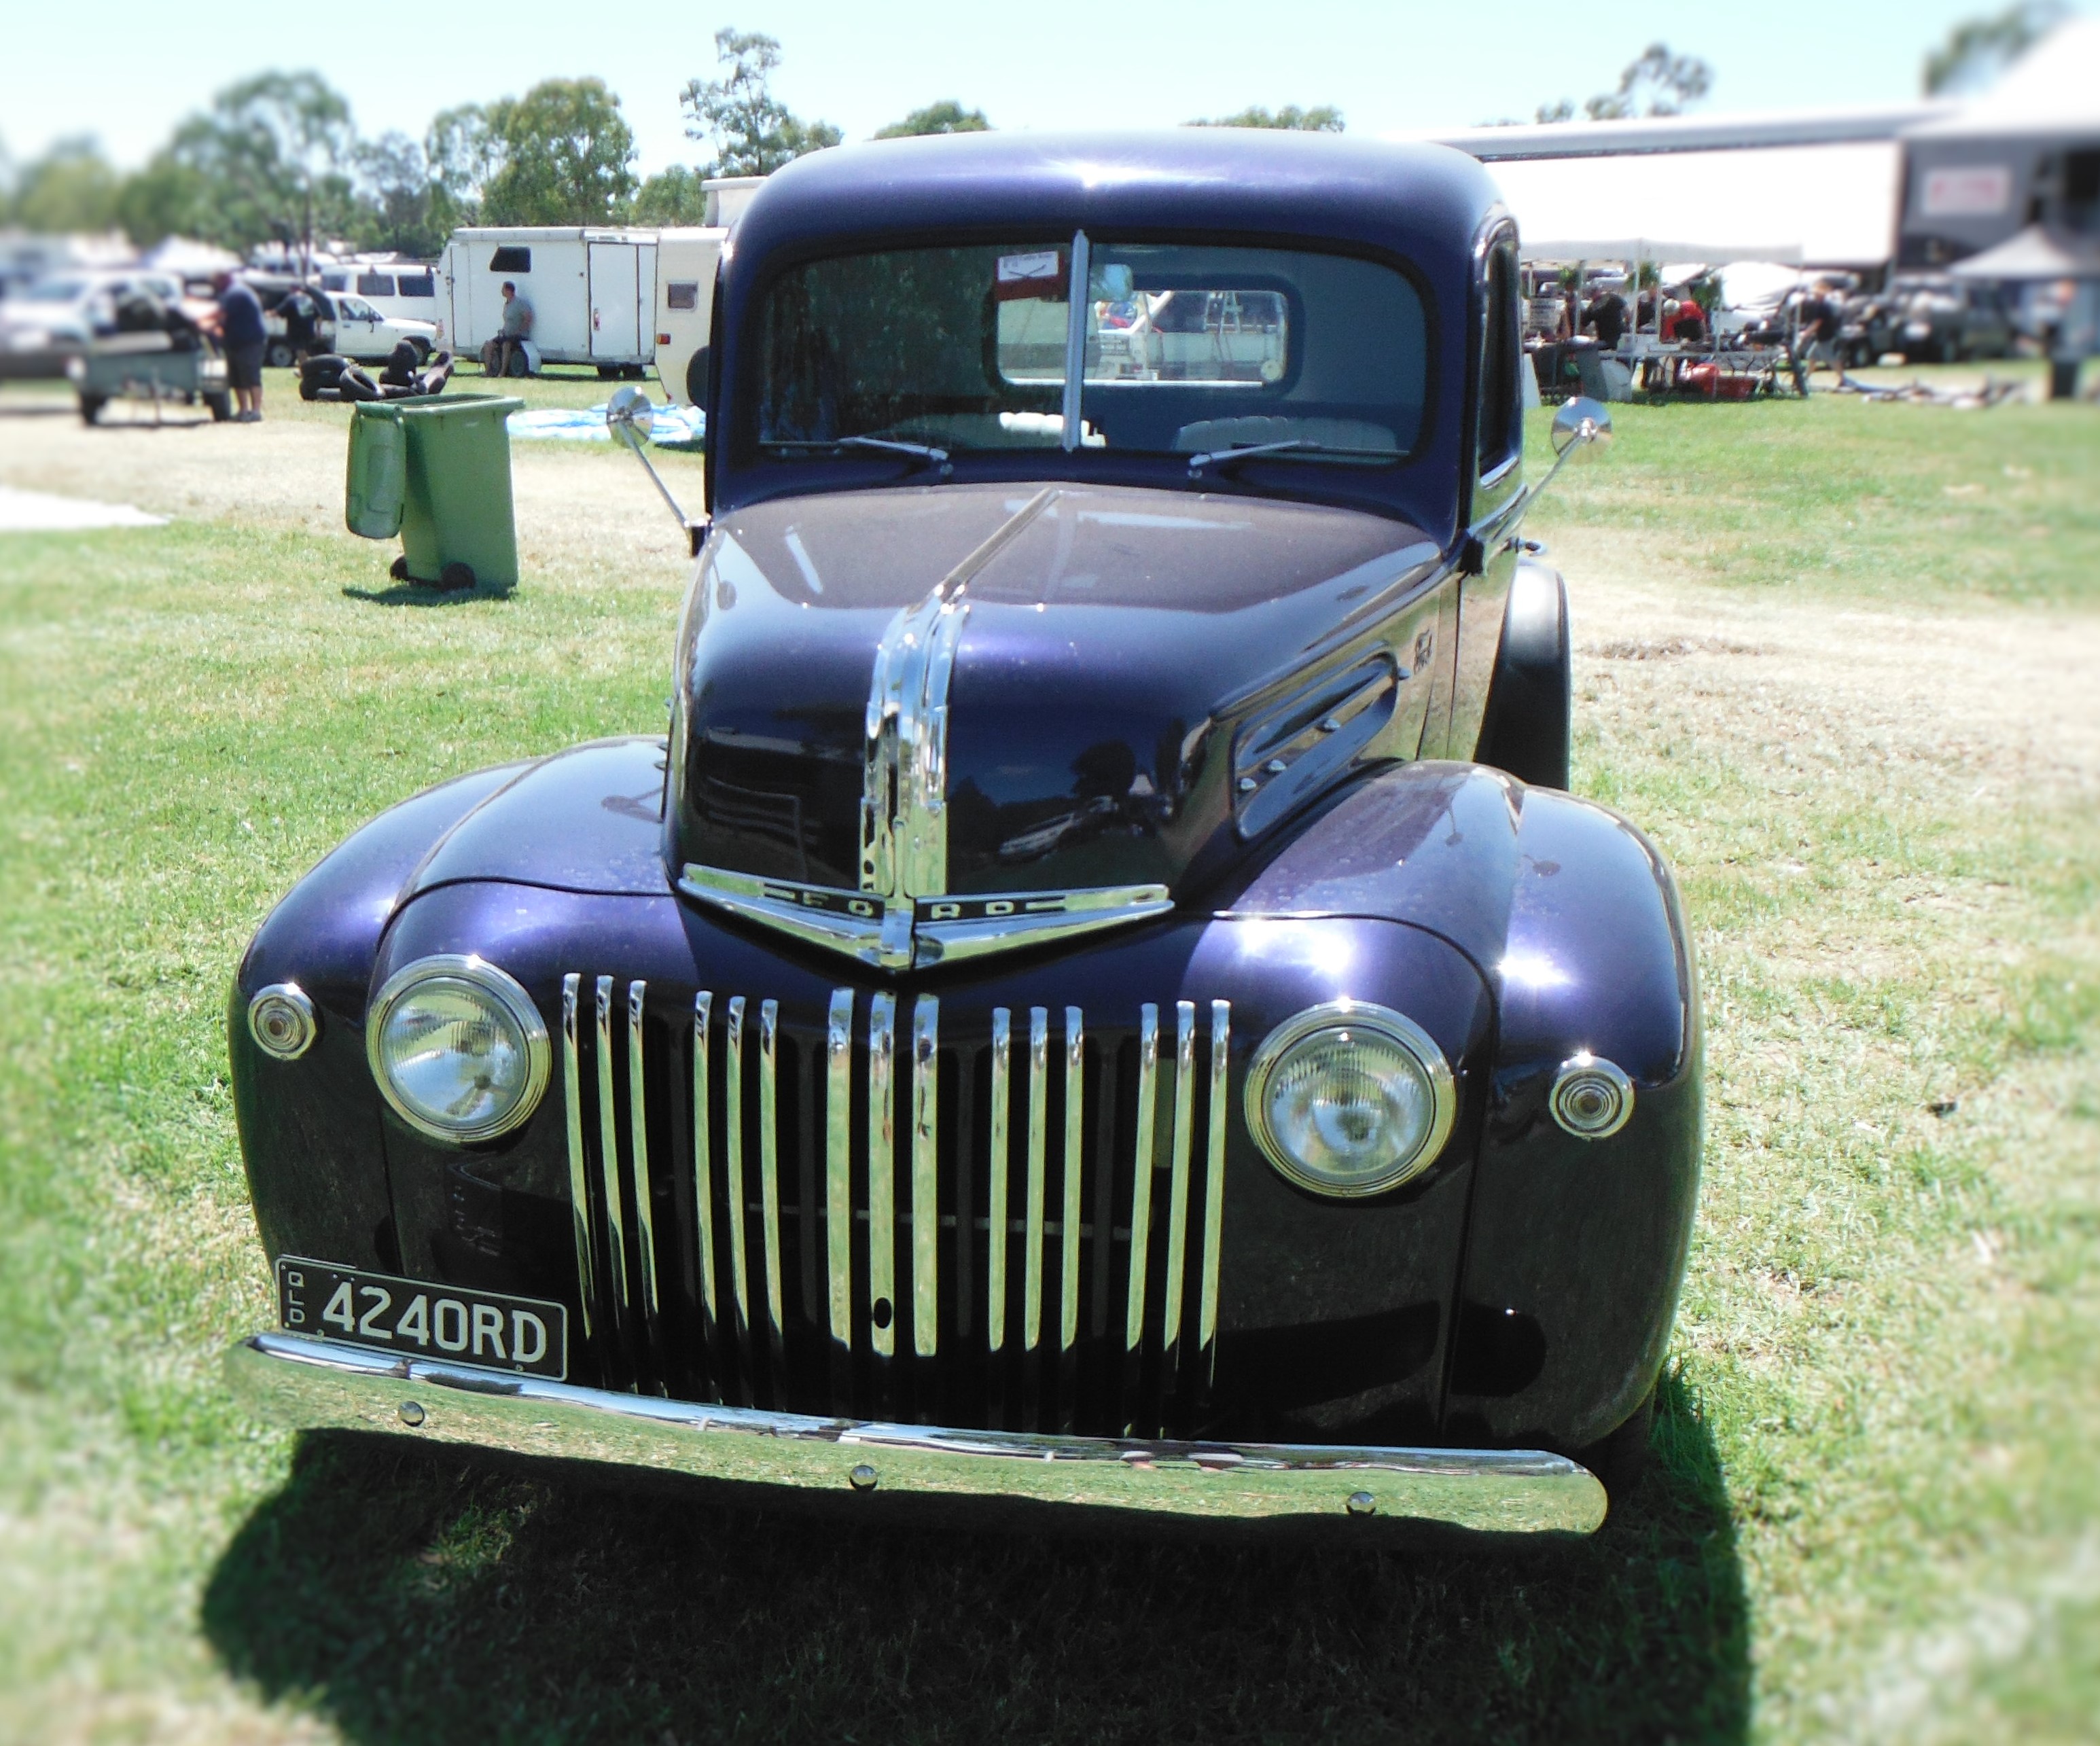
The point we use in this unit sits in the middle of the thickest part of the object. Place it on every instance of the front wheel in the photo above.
(1620, 1459)
(280, 355)
(90, 408)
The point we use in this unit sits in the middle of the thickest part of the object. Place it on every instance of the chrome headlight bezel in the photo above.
(1345, 1014)
(507, 993)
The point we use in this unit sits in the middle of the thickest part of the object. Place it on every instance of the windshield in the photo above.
(1186, 350)
(55, 291)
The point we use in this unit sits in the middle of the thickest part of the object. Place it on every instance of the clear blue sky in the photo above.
(126, 70)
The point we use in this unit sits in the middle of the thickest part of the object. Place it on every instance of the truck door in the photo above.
(616, 333)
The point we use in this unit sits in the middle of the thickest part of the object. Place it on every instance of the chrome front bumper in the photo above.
(1376, 1491)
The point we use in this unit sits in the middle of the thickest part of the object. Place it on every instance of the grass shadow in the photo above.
(424, 594)
(413, 1595)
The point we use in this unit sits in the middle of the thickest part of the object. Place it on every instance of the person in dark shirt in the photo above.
(1606, 317)
(241, 332)
(303, 318)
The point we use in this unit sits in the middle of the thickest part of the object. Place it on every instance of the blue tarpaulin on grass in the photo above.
(670, 426)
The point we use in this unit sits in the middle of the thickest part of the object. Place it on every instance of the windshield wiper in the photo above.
(923, 451)
(1294, 447)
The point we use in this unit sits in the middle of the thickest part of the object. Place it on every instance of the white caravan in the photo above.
(593, 293)
(686, 264)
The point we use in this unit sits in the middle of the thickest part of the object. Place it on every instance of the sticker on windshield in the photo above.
(1041, 273)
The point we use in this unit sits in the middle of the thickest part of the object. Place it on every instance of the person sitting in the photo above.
(496, 354)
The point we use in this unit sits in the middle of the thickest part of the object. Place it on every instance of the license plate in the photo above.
(414, 1317)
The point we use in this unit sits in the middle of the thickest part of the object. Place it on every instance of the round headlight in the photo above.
(458, 1048)
(1349, 1099)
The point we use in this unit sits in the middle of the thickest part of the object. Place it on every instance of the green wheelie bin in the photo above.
(437, 472)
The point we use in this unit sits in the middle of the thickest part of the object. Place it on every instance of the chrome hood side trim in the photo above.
(1370, 1495)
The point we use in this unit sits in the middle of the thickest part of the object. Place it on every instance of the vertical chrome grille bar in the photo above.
(996, 1239)
(1177, 1190)
(838, 1166)
(769, 1192)
(1038, 1118)
(638, 1133)
(572, 1091)
(608, 1164)
(1073, 1182)
(925, 1176)
(739, 1270)
(1140, 1191)
(1214, 1194)
(882, 1172)
(703, 1185)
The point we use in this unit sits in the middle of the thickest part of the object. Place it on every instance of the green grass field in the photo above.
(1833, 656)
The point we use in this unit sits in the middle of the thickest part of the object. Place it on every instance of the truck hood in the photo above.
(937, 710)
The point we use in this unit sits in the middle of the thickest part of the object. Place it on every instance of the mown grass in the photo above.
(1873, 1510)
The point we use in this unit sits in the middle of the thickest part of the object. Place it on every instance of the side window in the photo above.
(416, 284)
(511, 260)
(1501, 356)
(375, 285)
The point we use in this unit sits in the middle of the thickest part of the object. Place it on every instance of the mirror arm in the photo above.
(1552, 472)
(634, 441)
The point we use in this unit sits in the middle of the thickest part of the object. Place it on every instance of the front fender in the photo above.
(1575, 1249)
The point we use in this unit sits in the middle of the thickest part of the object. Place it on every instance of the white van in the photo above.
(405, 289)
(593, 293)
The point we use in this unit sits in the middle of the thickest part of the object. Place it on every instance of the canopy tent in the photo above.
(2036, 252)
(1831, 204)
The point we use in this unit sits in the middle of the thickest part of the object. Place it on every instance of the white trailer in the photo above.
(687, 260)
(593, 293)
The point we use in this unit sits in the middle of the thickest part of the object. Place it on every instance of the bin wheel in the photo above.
(456, 575)
(279, 356)
(90, 408)
(221, 407)
(399, 569)
(519, 364)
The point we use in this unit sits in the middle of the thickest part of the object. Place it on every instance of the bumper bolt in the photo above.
(1361, 1503)
(411, 1413)
(862, 1479)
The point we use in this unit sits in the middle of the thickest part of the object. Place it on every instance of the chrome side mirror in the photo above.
(627, 412)
(1581, 423)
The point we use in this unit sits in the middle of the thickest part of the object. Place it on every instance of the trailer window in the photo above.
(375, 285)
(416, 284)
(510, 260)
(682, 296)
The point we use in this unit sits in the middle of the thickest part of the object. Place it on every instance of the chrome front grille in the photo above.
(1009, 1218)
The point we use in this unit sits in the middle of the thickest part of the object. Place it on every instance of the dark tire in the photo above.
(609, 372)
(455, 576)
(399, 569)
(280, 354)
(1620, 1459)
(422, 351)
(518, 365)
(90, 408)
(696, 378)
(1531, 698)
(220, 406)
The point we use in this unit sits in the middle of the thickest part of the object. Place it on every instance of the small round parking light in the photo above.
(281, 1021)
(1350, 1099)
(1591, 1098)
(458, 1048)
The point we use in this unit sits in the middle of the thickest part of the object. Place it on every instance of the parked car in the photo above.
(395, 288)
(53, 321)
(1101, 1000)
(1935, 318)
(348, 326)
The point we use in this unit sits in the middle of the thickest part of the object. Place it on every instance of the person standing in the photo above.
(517, 329)
(241, 332)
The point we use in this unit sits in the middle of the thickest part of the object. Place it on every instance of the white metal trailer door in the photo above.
(615, 301)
